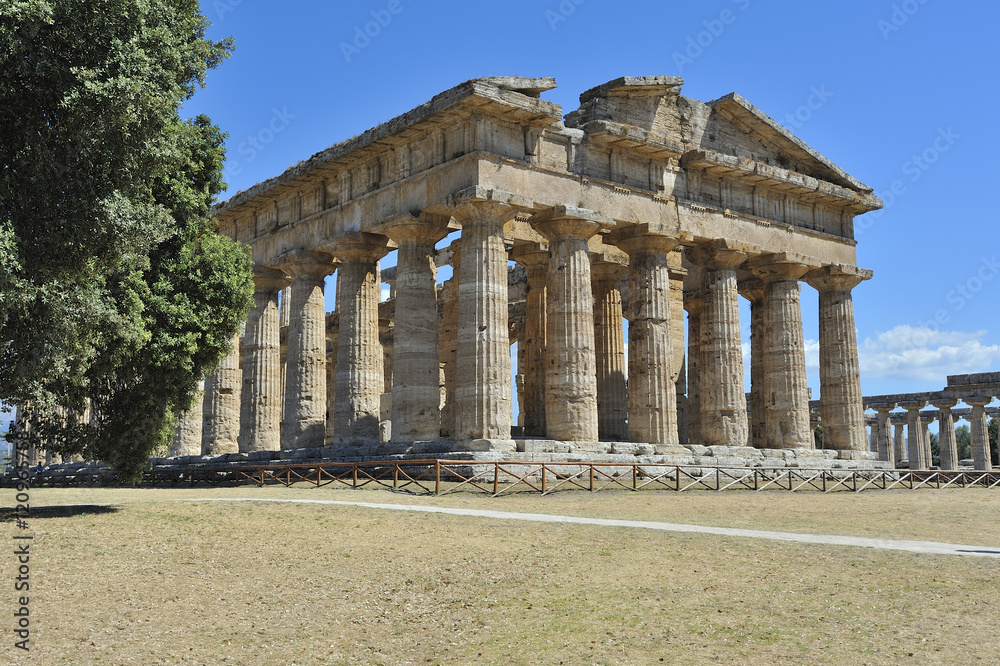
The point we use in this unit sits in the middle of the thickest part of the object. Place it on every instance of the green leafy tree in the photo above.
(114, 286)
(963, 439)
(935, 449)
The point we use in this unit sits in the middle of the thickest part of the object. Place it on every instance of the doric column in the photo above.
(979, 427)
(840, 375)
(786, 391)
(916, 453)
(899, 440)
(416, 411)
(926, 419)
(360, 365)
(723, 400)
(332, 336)
(449, 342)
(187, 438)
(221, 424)
(883, 434)
(693, 305)
(260, 404)
(535, 259)
(483, 399)
(304, 414)
(754, 291)
(609, 336)
(571, 376)
(652, 396)
(946, 434)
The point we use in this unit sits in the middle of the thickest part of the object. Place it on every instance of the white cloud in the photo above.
(922, 354)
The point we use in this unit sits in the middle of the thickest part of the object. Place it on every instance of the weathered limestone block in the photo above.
(260, 408)
(652, 396)
(786, 390)
(926, 419)
(360, 362)
(723, 401)
(883, 434)
(571, 373)
(304, 413)
(483, 397)
(416, 411)
(221, 423)
(187, 437)
(946, 434)
(535, 259)
(840, 375)
(899, 441)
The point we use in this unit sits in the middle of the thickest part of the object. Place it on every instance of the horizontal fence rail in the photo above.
(441, 477)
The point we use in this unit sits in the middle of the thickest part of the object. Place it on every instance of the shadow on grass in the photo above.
(8, 514)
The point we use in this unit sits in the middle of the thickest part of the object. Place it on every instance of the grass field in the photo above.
(150, 580)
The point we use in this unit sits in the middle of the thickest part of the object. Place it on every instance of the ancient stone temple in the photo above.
(640, 205)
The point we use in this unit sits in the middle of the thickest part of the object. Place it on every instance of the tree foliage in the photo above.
(114, 286)
(963, 439)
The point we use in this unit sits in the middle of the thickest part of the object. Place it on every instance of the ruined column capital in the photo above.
(306, 263)
(837, 277)
(602, 270)
(928, 417)
(358, 246)
(944, 403)
(978, 400)
(533, 256)
(267, 279)
(477, 212)
(720, 253)
(693, 302)
(781, 266)
(753, 290)
(883, 407)
(643, 238)
(569, 222)
(426, 229)
(913, 405)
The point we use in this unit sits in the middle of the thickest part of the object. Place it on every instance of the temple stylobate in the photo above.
(639, 206)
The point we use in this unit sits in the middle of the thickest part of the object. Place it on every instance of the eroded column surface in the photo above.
(448, 341)
(360, 364)
(979, 428)
(883, 433)
(261, 402)
(723, 401)
(916, 453)
(416, 411)
(535, 259)
(652, 395)
(840, 375)
(946, 435)
(483, 397)
(304, 414)
(899, 441)
(187, 437)
(571, 376)
(609, 336)
(693, 305)
(754, 291)
(926, 419)
(221, 424)
(786, 390)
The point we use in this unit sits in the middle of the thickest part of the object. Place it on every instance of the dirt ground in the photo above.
(151, 580)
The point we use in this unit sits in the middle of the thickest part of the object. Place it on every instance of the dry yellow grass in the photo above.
(155, 581)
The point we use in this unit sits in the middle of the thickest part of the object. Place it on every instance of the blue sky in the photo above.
(908, 92)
